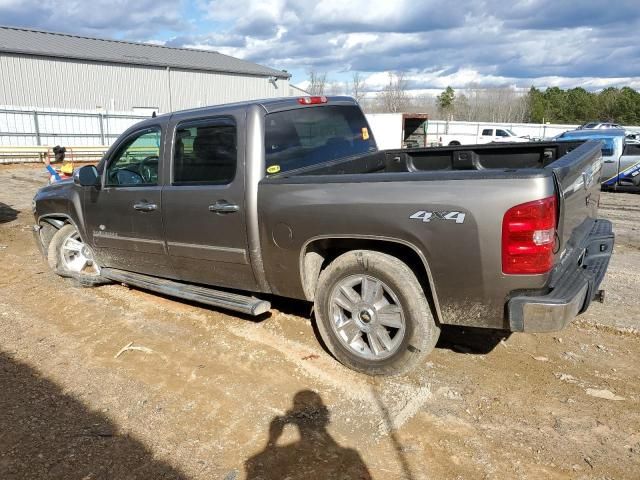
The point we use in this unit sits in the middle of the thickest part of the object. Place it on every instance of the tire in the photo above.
(351, 325)
(69, 256)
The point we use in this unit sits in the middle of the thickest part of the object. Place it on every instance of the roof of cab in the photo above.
(597, 133)
(270, 105)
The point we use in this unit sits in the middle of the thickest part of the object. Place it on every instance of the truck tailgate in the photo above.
(574, 283)
(585, 247)
(577, 176)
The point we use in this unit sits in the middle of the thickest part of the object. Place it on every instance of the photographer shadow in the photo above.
(315, 455)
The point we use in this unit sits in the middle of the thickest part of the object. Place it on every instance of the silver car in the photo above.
(598, 126)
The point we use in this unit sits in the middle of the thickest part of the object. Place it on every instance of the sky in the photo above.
(482, 43)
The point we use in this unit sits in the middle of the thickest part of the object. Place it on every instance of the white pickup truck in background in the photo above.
(485, 135)
(415, 130)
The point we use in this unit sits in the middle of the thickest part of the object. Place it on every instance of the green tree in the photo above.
(537, 106)
(607, 100)
(446, 101)
(627, 106)
(556, 100)
(580, 106)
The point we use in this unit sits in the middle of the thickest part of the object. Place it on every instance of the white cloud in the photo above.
(436, 44)
(469, 42)
(110, 18)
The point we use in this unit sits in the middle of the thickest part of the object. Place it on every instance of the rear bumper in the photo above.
(572, 289)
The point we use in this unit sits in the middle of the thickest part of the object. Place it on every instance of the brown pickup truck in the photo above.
(291, 197)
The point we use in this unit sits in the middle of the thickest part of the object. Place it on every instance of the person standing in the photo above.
(66, 171)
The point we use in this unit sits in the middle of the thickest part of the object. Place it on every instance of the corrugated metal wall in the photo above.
(194, 89)
(57, 83)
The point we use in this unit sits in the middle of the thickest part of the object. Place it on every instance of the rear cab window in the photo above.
(309, 136)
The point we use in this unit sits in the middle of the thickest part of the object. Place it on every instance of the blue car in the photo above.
(621, 160)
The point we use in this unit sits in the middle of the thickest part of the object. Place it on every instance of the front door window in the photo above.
(136, 162)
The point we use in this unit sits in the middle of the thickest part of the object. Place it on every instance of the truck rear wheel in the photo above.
(69, 256)
(373, 314)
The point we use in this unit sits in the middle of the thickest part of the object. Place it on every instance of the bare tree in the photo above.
(502, 104)
(317, 82)
(393, 98)
(357, 86)
(472, 103)
(335, 88)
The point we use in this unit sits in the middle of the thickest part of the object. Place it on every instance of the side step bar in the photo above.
(230, 301)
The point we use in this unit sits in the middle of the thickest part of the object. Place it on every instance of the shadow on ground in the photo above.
(45, 433)
(314, 455)
(470, 340)
(7, 213)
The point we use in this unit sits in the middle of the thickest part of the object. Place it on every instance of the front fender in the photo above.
(61, 202)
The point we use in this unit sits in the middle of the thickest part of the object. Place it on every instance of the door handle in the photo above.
(222, 206)
(609, 161)
(145, 207)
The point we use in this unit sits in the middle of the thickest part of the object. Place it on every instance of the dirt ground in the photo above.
(210, 395)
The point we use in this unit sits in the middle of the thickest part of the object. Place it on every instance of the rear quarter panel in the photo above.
(464, 258)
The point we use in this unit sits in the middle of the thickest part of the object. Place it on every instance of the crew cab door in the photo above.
(501, 135)
(487, 135)
(124, 217)
(204, 203)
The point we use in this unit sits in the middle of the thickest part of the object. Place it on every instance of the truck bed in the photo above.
(380, 195)
(503, 157)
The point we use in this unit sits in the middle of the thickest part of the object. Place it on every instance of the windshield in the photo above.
(307, 136)
(510, 132)
(609, 143)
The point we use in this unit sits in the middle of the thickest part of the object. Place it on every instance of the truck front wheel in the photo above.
(69, 256)
(373, 315)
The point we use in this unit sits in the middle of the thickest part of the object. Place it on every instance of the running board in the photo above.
(209, 296)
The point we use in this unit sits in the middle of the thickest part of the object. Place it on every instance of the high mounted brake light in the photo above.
(311, 100)
(528, 237)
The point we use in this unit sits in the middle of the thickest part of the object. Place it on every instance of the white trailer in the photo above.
(398, 130)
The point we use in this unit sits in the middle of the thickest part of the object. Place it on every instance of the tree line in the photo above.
(577, 105)
(500, 104)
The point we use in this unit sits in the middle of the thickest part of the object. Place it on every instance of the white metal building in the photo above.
(51, 70)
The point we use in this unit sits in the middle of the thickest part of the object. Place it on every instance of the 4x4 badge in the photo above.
(425, 216)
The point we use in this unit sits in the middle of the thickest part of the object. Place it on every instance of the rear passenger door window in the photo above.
(487, 132)
(205, 153)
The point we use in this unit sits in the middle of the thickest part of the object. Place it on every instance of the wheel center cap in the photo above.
(365, 316)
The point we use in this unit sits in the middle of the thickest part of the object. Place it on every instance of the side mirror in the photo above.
(87, 176)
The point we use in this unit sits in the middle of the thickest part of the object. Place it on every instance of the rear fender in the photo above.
(314, 260)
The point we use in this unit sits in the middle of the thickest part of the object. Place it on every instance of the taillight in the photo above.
(528, 237)
(311, 100)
